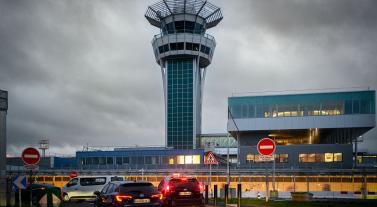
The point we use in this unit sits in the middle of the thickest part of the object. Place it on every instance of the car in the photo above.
(83, 187)
(128, 194)
(180, 190)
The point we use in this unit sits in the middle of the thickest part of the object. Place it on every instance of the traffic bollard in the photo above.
(239, 195)
(206, 195)
(215, 194)
(226, 193)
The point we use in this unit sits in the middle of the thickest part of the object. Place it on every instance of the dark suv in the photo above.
(181, 191)
(128, 194)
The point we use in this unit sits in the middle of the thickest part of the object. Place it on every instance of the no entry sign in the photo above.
(31, 156)
(73, 174)
(266, 146)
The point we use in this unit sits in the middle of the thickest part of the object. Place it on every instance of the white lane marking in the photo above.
(266, 147)
(30, 156)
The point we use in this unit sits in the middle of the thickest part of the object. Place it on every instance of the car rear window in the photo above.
(116, 178)
(132, 187)
(183, 181)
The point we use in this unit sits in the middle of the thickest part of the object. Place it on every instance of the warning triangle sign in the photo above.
(210, 159)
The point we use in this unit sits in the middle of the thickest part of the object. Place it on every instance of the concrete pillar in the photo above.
(3, 146)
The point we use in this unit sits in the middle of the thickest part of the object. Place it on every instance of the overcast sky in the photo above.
(83, 71)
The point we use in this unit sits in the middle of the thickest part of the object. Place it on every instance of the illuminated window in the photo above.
(319, 157)
(171, 161)
(311, 158)
(196, 159)
(286, 113)
(188, 159)
(249, 158)
(274, 113)
(329, 157)
(359, 159)
(180, 159)
(337, 157)
(307, 157)
(283, 158)
(303, 157)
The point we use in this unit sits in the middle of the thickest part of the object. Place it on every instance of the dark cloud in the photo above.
(82, 72)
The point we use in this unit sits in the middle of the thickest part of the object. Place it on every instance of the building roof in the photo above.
(368, 95)
(160, 10)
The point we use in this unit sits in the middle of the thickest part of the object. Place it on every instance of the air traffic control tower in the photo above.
(184, 51)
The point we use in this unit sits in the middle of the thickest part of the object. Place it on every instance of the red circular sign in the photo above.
(266, 146)
(31, 156)
(73, 174)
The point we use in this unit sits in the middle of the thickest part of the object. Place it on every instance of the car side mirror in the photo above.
(97, 193)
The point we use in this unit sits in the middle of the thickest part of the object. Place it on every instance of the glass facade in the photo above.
(182, 46)
(321, 157)
(143, 160)
(183, 27)
(180, 130)
(220, 141)
(318, 104)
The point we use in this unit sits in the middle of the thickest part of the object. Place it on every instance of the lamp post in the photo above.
(227, 162)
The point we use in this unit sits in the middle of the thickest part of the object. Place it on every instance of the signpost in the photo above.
(266, 147)
(31, 158)
(210, 160)
(20, 183)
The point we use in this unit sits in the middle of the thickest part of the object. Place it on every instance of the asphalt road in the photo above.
(78, 204)
(81, 204)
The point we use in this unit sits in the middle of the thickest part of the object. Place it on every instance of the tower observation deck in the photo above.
(183, 50)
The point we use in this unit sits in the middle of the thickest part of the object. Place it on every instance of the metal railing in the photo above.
(205, 35)
(197, 170)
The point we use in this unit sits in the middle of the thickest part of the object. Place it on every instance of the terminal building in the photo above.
(314, 130)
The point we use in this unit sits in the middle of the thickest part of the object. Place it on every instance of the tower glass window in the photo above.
(180, 103)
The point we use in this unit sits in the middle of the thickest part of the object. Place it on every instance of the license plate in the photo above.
(184, 193)
(145, 200)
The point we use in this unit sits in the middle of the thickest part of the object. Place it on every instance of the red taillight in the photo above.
(201, 187)
(159, 196)
(120, 198)
(168, 188)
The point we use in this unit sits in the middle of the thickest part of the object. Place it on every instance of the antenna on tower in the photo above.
(44, 145)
